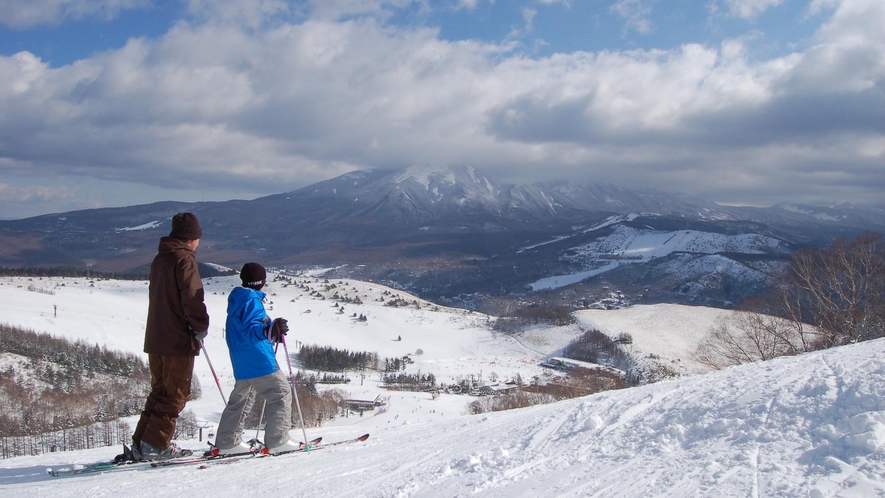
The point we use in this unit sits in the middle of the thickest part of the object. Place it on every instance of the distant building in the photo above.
(497, 388)
(362, 405)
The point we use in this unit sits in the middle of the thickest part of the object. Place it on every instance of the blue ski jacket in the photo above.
(251, 354)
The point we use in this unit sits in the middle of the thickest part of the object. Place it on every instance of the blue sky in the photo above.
(540, 28)
(119, 102)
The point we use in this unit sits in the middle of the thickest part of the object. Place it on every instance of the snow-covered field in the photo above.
(812, 425)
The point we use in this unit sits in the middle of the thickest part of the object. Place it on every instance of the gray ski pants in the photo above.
(275, 389)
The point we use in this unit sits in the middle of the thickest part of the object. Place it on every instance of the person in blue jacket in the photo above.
(251, 336)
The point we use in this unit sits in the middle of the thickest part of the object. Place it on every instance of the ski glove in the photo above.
(277, 330)
(199, 336)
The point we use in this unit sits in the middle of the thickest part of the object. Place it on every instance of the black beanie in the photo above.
(253, 276)
(185, 227)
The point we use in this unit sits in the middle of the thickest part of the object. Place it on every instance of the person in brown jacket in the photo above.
(177, 322)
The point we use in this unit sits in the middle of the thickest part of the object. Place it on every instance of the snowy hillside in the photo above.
(630, 245)
(806, 426)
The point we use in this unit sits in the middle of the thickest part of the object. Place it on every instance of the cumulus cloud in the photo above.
(22, 14)
(855, 22)
(263, 110)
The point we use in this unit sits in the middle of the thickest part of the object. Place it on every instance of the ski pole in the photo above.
(217, 383)
(292, 383)
(260, 420)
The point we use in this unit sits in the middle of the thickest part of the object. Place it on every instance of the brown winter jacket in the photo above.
(176, 310)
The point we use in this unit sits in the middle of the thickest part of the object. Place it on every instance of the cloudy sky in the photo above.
(751, 102)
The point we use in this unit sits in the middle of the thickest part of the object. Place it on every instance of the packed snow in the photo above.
(558, 281)
(145, 226)
(628, 245)
(812, 425)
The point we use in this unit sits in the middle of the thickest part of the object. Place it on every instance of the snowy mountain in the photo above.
(464, 196)
(812, 425)
(456, 236)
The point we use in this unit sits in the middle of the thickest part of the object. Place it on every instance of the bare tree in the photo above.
(748, 337)
(840, 290)
(824, 298)
(196, 389)
(186, 426)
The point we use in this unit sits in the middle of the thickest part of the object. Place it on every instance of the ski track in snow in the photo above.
(807, 426)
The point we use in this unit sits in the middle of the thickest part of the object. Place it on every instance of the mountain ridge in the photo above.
(440, 233)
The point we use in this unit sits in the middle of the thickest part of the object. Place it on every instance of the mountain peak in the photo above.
(428, 175)
(467, 177)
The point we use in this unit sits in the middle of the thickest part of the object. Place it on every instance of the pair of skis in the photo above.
(207, 460)
(190, 459)
(100, 467)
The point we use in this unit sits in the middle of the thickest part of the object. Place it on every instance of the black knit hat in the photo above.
(185, 227)
(253, 276)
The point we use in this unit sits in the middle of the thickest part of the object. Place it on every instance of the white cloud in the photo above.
(636, 13)
(528, 15)
(749, 9)
(22, 14)
(11, 193)
(333, 10)
(251, 13)
(19, 201)
(818, 6)
(274, 108)
(468, 4)
(856, 22)
(849, 55)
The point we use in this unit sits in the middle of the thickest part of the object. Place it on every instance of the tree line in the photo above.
(329, 359)
(594, 346)
(81, 272)
(409, 382)
(66, 271)
(73, 356)
(534, 314)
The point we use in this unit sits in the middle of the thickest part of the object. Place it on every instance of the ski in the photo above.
(316, 446)
(229, 456)
(343, 441)
(87, 469)
(207, 461)
(119, 463)
(190, 459)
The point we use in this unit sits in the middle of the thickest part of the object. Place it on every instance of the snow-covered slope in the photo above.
(669, 334)
(812, 425)
(702, 252)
